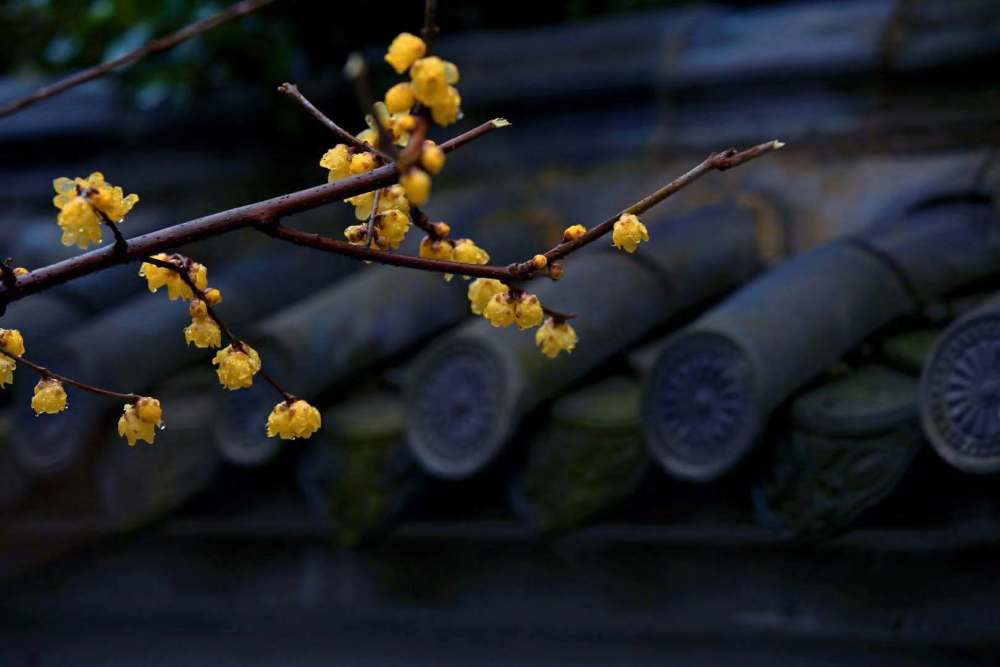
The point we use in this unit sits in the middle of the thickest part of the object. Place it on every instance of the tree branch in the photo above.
(46, 373)
(292, 91)
(159, 45)
(260, 213)
(181, 266)
(716, 162)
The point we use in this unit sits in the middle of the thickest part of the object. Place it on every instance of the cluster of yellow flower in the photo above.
(431, 87)
(432, 80)
(137, 422)
(503, 307)
(236, 363)
(203, 330)
(84, 203)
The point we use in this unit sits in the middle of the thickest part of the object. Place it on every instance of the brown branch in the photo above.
(262, 213)
(46, 373)
(435, 230)
(158, 45)
(521, 271)
(370, 229)
(716, 162)
(292, 91)
(336, 246)
(181, 266)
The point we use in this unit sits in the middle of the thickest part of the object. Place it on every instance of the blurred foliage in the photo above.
(292, 39)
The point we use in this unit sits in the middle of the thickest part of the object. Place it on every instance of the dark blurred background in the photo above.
(777, 439)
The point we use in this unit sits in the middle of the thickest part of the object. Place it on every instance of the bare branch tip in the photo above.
(500, 122)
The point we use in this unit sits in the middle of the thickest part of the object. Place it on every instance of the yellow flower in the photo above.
(573, 232)
(298, 420)
(417, 185)
(110, 199)
(139, 421)
(338, 161)
(80, 225)
(432, 157)
(629, 233)
(12, 341)
(79, 201)
(552, 338)
(391, 228)
(21, 271)
(528, 311)
(203, 330)
(451, 72)
(467, 252)
(7, 367)
(400, 125)
(449, 108)
(157, 277)
(49, 398)
(236, 366)
(362, 204)
(481, 290)
(369, 136)
(429, 81)
(404, 50)
(357, 234)
(362, 162)
(393, 197)
(500, 310)
(399, 98)
(436, 248)
(149, 410)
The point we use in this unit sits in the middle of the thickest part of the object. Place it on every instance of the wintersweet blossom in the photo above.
(628, 233)
(289, 421)
(555, 337)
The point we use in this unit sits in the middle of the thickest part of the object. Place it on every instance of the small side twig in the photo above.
(181, 266)
(293, 92)
(47, 373)
(159, 45)
(371, 217)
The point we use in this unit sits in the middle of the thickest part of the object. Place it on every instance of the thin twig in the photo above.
(181, 266)
(261, 213)
(716, 162)
(47, 373)
(155, 46)
(421, 221)
(519, 271)
(371, 218)
(292, 91)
